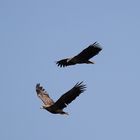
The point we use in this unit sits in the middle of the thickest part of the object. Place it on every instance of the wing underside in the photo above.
(43, 95)
(89, 52)
(69, 96)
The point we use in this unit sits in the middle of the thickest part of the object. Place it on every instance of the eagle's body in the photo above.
(53, 110)
(82, 57)
(58, 106)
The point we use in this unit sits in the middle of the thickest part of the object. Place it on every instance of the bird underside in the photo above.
(65, 63)
(58, 111)
(74, 60)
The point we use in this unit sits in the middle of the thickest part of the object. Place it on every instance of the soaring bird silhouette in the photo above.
(58, 106)
(82, 57)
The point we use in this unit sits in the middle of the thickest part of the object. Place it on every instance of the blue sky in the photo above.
(34, 34)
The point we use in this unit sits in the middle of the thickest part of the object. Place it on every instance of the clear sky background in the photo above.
(34, 34)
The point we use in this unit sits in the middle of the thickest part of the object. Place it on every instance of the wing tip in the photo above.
(97, 45)
(39, 87)
(81, 86)
(60, 64)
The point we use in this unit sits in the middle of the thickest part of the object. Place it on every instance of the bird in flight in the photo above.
(82, 57)
(58, 106)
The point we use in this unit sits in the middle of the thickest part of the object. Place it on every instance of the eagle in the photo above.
(58, 106)
(82, 57)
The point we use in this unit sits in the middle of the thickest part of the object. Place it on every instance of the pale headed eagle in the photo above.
(82, 57)
(58, 106)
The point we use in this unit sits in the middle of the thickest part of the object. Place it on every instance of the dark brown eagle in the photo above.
(58, 106)
(82, 57)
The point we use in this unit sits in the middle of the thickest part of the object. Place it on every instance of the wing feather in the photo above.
(69, 96)
(89, 52)
(62, 63)
(43, 95)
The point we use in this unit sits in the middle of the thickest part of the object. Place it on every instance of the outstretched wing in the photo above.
(43, 95)
(69, 96)
(89, 52)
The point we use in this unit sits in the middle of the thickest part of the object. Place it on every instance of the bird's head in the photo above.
(43, 107)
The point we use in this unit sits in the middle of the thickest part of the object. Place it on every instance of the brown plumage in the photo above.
(58, 106)
(82, 57)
